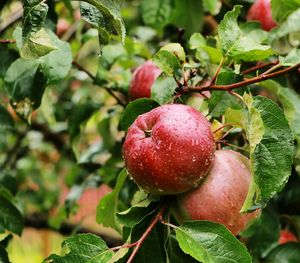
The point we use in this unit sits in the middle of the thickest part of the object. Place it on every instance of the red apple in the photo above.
(261, 11)
(221, 195)
(169, 149)
(286, 236)
(142, 80)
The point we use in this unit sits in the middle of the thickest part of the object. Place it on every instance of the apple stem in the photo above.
(138, 244)
(7, 41)
(223, 126)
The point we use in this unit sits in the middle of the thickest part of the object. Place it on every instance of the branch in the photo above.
(7, 41)
(139, 243)
(40, 222)
(230, 87)
(75, 63)
(259, 66)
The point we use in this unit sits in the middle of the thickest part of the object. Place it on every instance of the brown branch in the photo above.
(138, 244)
(75, 63)
(246, 82)
(7, 41)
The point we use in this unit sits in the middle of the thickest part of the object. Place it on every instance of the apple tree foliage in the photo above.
(65, 109)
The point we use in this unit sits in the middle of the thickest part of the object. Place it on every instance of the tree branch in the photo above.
(246, 82)
(75, 63)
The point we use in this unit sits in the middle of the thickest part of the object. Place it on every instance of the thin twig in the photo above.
(232, 145)
(77, 65)
(213, 80)
(259, 66)
(7, 41)
(147, 232)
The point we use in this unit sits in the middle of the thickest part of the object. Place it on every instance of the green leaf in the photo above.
(209, 242)
(263, 231)
(25, 84)
(196, 41)
(6, 121)
(236, 44)
(176, 49)
(213, 6)
(156, 13)
(288, 27)
(80, 114)
(281, 9)
(10, 217)
(107, 207)
(220, 101)
(188, 15)
(290, 102)
(134, 109)
(84, 248)
(167, 62)
(3, 255)
(175, 254)
(35, 12)
(136, 212)
(108, 19)
(163, 90)
(57, 64)
(271, 150)
(287, 253)
(7, 57)
(37, 45)
(292, 59)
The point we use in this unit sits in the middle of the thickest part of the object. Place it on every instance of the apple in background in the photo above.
(62, 26)
(286, 236)
(143, 79)
(221, 195)
(169, 149)
(261, 11)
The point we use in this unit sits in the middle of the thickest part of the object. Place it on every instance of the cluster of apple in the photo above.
(170, 150)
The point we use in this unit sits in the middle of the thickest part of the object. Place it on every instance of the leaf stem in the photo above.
(77, 65)
(213, 80)
(223, 126)
(7, 41)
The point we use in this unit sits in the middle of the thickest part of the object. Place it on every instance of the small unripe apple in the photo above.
(286, 236)
(169, 149)
(221, 195)
(143, 79)
(261, 11)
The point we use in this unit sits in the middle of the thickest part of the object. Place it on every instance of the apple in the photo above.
(286, 236)
(62, 26)
(143, 79)
(169, 149)
(221, 195)
(261, 11)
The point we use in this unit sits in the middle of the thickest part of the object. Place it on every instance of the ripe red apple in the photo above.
(142, 80)
(261, 11)
(221, 195)
(169, 149)
(286, 236)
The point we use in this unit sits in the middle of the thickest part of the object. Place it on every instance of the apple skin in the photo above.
(174, 154)
(286, 236)
(142, 80)
(221, 195)
(261, 11)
